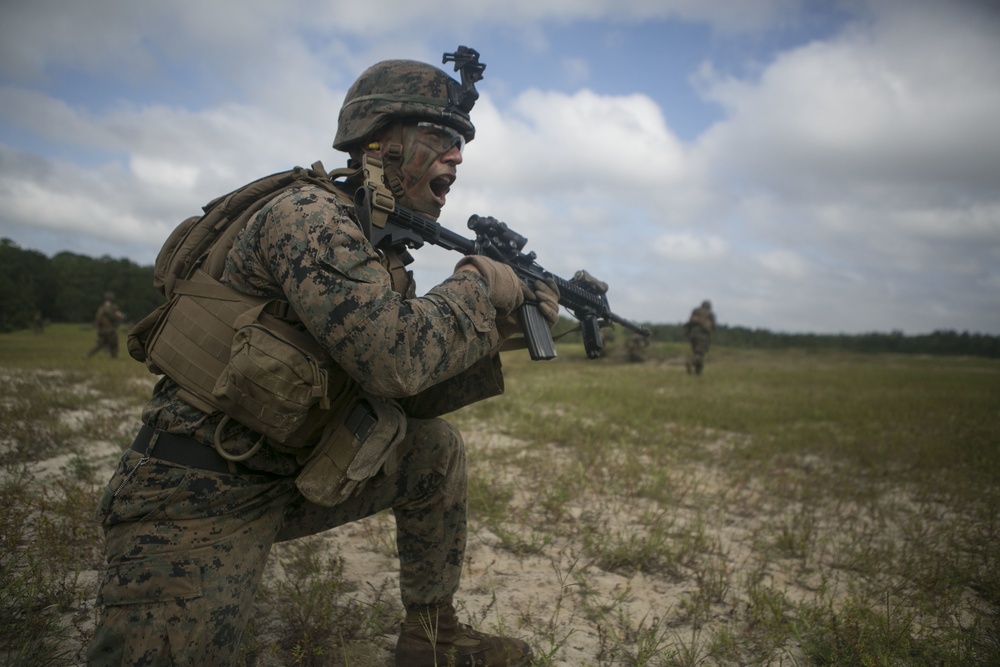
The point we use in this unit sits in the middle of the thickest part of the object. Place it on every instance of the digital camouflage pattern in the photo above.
(338, 285)
(400, 89)
(186, 547)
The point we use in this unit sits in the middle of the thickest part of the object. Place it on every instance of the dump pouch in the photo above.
(353, 448)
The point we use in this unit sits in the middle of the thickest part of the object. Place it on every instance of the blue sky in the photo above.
(807, 166)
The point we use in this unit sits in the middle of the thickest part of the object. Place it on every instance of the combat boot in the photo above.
(433, 637)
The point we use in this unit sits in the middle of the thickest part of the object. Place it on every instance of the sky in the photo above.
(809, 167)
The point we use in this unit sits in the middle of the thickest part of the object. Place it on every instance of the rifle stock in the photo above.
(587, 301)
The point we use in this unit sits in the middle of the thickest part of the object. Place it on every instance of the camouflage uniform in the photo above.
(170, 527)
(106, 320)
(186, 546)
(698, 329)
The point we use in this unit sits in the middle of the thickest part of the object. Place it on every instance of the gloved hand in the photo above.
(547, 295)
(507, 292)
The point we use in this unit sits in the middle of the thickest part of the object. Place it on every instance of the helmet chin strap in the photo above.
(392, 162)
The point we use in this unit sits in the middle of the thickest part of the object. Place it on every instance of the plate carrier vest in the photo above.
(245, 356)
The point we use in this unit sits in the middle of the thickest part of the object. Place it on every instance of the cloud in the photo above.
(852, 182)
(584, 146)
(687, 247)
(904, 104)
(784, 264)
(164, 174)
(874, 153)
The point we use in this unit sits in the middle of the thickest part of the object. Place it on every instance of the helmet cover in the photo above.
(394, 89)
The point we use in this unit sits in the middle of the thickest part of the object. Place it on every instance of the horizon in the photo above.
(680, 322)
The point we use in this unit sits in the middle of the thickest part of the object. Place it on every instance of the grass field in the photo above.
(786, 508)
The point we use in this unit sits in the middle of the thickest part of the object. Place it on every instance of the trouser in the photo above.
(186, 547)
(106, 340)
(700, 342)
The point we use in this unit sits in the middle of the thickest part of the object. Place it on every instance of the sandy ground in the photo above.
(549, 598)
(552, 597)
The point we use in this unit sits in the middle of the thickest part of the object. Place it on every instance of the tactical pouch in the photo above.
(352, 450)
(138, 338)
(229, 353)
(276, 378)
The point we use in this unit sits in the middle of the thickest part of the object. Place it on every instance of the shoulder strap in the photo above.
(204, 241)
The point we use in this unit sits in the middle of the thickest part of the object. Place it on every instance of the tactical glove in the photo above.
(547, 295)
(507, 292)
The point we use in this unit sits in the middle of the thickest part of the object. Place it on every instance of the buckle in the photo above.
(362, 421)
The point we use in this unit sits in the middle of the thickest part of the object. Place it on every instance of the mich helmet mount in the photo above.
(397, 89)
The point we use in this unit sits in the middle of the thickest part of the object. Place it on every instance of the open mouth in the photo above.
(441, 185)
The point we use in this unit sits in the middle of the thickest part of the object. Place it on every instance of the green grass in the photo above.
(785, 508)
(859, 478)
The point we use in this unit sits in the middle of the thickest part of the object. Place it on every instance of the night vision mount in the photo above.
(467, 62)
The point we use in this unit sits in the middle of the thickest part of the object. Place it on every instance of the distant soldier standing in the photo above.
(698, 330)
(107, 319)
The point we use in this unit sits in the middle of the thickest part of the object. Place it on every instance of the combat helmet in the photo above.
(410, 89)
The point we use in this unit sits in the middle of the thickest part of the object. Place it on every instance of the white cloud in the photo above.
(904, 106)
(161, 173)
(867, 162)
(557, 143)
(784, 264)
(96, 212)
(687, 247)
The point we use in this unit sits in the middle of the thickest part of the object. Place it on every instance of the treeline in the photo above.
(939, 342)
(70, 287)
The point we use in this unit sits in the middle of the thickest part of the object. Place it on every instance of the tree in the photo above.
(26, 286)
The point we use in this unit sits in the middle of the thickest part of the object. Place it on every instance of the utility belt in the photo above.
(355, 445)
(186, 452)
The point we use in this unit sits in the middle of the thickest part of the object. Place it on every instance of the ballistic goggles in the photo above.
(441, 135)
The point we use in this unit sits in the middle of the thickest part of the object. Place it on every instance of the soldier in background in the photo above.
(107, 319)
(635, 348)
(698, 330)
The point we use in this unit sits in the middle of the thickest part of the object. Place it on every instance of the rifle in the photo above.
(582, 296)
